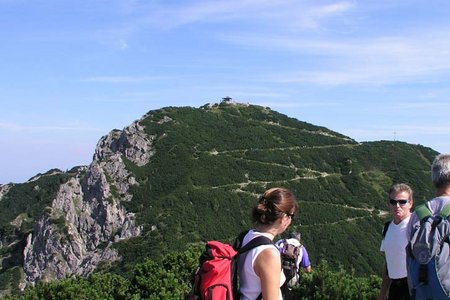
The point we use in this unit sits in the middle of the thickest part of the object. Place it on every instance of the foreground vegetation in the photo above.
(170, 279)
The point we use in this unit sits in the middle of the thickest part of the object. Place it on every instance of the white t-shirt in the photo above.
(394, 247)
(250, 283)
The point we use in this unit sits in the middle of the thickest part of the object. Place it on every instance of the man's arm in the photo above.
(384, 284)
(305, 263)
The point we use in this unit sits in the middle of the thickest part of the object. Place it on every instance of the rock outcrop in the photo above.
(77, 232)
(4, 188)
(132, 142)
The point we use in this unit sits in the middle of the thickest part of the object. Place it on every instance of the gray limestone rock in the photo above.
(76, 233)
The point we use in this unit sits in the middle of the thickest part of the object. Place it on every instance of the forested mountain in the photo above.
(181, 175)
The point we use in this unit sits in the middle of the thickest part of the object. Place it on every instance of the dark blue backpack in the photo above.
(429, 260)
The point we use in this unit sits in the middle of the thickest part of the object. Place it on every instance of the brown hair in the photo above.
(401, 187)
(273, 204)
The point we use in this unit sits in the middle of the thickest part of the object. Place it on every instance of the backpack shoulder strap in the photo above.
(445, 211)
(237, 244)
(423, 211)
(385, 228)
(257, 241)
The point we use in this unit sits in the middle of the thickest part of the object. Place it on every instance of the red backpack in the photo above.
(217, 276)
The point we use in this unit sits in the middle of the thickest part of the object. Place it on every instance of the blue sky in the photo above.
(71, 71)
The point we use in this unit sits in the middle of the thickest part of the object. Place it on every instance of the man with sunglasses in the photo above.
(395, 283)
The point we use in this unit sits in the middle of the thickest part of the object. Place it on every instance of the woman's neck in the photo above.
(267, 230)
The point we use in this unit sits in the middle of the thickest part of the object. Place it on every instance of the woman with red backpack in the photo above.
(260, 273)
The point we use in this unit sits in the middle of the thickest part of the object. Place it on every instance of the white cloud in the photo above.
(288, 104)
(441, 106)
(375, 61)
(124, 79)
(424, 130)
(14, 127)
(286, 13)
(313, 17)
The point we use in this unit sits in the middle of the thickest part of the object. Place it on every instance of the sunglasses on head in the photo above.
(394, 202)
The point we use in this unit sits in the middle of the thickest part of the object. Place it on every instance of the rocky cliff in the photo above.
(76, 233)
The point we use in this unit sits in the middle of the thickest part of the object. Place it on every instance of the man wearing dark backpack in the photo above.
(429, 250)
(293, 257)
(395, 240)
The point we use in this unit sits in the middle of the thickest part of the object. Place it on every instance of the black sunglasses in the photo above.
(290, 215)
(394, 202)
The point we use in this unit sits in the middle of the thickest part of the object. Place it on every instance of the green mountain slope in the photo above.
(211, 163)
(208, 166)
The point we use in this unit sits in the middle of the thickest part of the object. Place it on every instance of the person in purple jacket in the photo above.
(302, 260)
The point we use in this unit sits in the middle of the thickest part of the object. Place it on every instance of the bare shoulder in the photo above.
(265, 264)
(269, 257)
(270, 253)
